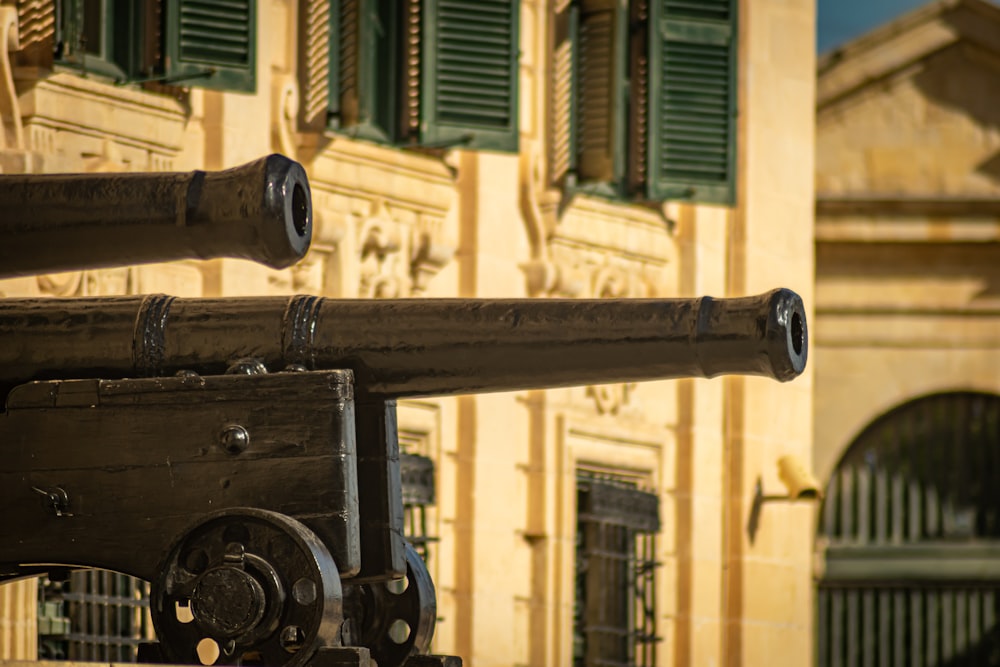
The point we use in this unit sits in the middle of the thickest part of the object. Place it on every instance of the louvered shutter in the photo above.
(345, 51)
(600, 79)
(469, 87)
(36, 20)
(212, 43)
(319, 22)
(692, 101)
(562, 87)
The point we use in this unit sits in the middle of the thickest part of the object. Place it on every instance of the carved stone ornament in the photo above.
(590, 248)
(398, 258)
(388, 210)
(98, 282)
(380, 243)
(609, 399)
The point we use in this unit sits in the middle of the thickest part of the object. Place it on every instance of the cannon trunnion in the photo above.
(242, 454)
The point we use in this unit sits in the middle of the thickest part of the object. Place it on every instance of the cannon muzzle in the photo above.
(60, 222)
(408, 347)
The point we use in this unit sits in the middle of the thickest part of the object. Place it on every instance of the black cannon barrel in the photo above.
(408, 347)
(60, 222)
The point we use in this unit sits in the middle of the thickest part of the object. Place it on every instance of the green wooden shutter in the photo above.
(135, 43)
(692, 101)
(36, 26)
(600, 77)
(470, 73)
(345, 49)
(103, 37)
(319, 22)
(562, 87)
(368, 55)
(212, 43)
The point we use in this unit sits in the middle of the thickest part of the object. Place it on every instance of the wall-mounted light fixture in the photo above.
(800, 484)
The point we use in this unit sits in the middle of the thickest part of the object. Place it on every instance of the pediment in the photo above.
(900, 46)
(929, 126)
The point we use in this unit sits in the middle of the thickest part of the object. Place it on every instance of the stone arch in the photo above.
(857, 405)
(909, 538)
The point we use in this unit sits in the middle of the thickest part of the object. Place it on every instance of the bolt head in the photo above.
(234, 438)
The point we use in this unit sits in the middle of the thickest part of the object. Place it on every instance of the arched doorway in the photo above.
(909, 535)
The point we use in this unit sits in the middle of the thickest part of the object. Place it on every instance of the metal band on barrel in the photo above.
(149, 336)
(298, 329)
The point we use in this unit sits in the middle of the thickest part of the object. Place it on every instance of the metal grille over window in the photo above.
(911, 528)
(417, 474)
(93, 615)
(614, 620)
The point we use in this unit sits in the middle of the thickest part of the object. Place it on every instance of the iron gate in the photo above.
(910, 535)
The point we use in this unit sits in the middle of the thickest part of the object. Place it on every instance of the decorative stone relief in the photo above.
(384, 219)
(397, 257)
(579, 271)
(590, 248)
(99, 282)
(609, 399)
(146, 128)
(308, 276)
(60, 284)
(380, 243)
(586, 247)
(429, 253)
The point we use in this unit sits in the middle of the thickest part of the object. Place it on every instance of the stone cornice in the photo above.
(633, 232)
(69, 102)
(907, 205)
(398, 177)
(907, 219)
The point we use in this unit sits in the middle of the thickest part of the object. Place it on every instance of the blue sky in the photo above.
(838, 21)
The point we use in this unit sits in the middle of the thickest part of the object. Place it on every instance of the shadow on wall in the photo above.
(965, 78)
(986, 651)
(951, 263)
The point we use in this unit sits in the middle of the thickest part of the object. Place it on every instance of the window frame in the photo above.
(623, 521)
(102, 61)
(699, 32)
(637, 149)
(207, 74)
(366, 105)
(140, 44)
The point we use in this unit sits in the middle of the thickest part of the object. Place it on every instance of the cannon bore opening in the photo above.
(798, 333)
(300, 210)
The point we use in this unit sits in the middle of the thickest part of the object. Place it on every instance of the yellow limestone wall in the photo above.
(393, 223)
(907, 300)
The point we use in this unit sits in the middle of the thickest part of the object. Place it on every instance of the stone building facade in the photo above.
(907, 338)
(570, 184)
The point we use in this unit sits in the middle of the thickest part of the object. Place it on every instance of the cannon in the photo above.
(242, 454)
(62, 222)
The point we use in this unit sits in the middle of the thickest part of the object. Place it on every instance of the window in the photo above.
(432, 73)
(644, 98)
(203, 43)
(93, 615)
(615, 612)
(417, 475)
